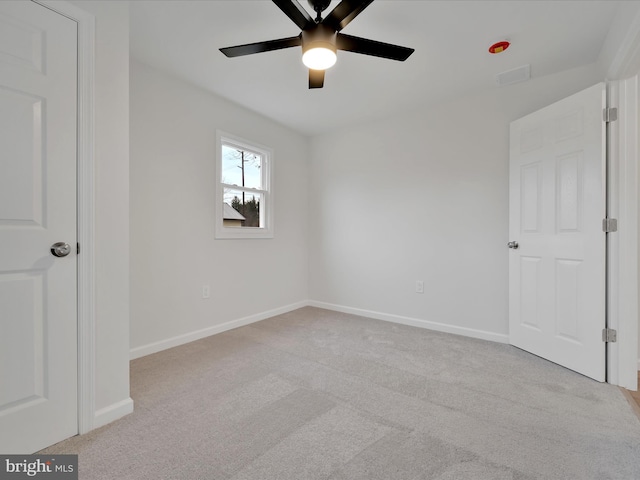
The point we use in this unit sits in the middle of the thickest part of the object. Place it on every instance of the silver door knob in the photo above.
(60, 249)
(513, 245)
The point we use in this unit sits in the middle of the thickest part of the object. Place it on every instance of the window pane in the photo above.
(241, 209)
(241, 168)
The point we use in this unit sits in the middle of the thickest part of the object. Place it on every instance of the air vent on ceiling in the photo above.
(516, 75)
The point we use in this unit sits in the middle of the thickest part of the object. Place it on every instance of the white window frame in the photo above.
(266, 208)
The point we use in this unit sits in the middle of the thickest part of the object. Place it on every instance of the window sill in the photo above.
(242, 232)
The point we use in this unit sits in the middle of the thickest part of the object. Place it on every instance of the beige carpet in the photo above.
(314, 394)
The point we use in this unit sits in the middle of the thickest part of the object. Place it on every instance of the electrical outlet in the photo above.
(206, 291)
(419, 286)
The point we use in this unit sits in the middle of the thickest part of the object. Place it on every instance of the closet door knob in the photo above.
(60, 249)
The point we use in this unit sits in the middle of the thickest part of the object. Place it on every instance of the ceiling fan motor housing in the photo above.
(320, 36)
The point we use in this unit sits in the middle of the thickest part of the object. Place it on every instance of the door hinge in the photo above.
(609, 335)
(610, 225)
(77, 249)
(610, 114)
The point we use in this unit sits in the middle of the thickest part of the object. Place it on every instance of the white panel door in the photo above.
(38, 305)
(556, 208)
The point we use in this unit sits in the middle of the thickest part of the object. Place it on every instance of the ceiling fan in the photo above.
(320, 38)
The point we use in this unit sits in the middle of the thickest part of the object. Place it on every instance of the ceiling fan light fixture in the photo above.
(319, 56)
(319, 47)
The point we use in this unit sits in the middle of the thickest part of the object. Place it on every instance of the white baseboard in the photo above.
(112, 412)
(241, 322)
(415, 322)
(207, 332)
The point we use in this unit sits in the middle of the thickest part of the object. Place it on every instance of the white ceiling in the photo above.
(450, 37)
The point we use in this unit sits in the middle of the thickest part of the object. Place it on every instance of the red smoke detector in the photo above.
(499, 47)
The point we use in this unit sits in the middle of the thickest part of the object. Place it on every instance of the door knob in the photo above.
(60, 249)
(513, 245)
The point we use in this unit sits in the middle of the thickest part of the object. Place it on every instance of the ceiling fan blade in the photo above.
(316, 78)
(295, 12)
(372, 47)
(258, 47)
(346, 11)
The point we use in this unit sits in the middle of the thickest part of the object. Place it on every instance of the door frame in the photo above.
(85, 207)
(622, 252)
(624, 184)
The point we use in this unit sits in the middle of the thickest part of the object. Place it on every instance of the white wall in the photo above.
(112, 207)
(618, 57)
(423, 196)
(173, 249)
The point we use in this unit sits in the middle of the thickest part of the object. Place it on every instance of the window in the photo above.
(243, 199)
